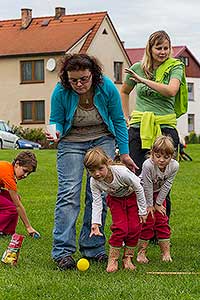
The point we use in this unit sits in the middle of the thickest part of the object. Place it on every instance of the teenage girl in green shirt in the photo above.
(155, 101)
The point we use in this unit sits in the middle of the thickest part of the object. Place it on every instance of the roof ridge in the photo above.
(178, 46)
(134, 48)
(9, 20)
(88, 13)
(71, 15)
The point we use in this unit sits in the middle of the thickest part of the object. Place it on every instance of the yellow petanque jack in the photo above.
(83, 264)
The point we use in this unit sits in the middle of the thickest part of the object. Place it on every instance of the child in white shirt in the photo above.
(158, 173)
(126, 202)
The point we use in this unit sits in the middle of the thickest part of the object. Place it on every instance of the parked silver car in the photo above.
(8, 140)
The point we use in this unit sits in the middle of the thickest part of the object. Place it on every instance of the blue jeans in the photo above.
(70, 173)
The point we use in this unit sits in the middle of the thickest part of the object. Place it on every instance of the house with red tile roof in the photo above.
(30, 51)
(191, 120)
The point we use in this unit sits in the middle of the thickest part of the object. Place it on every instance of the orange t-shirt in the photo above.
(7, 176)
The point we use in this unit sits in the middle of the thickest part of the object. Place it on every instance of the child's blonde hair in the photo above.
(96, 157)
(164, 145)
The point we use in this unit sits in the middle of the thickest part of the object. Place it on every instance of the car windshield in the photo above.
(7, 127)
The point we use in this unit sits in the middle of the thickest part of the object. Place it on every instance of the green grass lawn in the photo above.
(36, 276)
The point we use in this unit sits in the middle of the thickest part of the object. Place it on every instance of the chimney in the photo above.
(26, 15)
(59, 11)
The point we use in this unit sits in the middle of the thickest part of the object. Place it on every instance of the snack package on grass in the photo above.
(11, 255)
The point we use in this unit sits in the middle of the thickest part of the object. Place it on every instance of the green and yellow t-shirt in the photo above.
(149, 100)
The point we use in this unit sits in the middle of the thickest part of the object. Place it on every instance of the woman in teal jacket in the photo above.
(87, 111)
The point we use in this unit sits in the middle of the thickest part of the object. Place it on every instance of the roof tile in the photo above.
(58, 35)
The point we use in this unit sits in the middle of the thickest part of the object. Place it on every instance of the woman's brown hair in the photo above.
(76, 62)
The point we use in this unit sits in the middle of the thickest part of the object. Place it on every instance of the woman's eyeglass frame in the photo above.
(82, 80)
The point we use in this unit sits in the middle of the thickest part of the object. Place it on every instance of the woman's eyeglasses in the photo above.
(82, 80)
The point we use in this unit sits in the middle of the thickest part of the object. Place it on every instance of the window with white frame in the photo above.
(191, 122)
(118, 71)
(33, 112)
(190, 91)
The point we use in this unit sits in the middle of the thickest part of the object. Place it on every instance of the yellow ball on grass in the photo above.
(83, 264)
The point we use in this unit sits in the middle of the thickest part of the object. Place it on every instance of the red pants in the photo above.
(8, 213)
(126, 225)
(157, 225)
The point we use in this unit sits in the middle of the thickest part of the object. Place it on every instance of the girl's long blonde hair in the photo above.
(155, 38)
(96, 157)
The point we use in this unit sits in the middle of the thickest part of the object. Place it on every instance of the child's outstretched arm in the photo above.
(21, 211)
(97, 207)
(134, 181)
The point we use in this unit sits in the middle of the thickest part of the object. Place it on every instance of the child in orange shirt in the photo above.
(10, 204)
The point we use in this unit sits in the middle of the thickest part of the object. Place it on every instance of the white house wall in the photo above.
(77, 47)
(193, 108)
(107, 49)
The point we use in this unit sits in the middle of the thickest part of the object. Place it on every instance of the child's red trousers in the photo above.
(156, 226)
(126, 226)
(8, 213)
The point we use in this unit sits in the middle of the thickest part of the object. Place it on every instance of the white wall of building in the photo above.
(193, 108)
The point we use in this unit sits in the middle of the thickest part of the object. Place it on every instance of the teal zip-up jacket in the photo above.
(108, 103)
